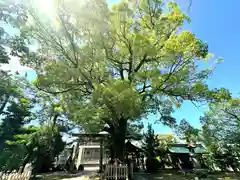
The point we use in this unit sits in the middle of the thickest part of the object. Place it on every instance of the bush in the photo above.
(152, 164)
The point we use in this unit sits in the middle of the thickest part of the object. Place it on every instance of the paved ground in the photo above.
(65, 176)
(139, 177)
(80, 178)
(165, 175)
(84, 176)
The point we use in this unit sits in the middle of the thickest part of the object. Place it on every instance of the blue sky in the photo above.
(215, 22)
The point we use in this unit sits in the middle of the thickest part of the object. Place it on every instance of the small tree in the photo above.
(164, 141)
(150, 142)
(38, 145)
(14, 117)
(150, 146)
(48, 144)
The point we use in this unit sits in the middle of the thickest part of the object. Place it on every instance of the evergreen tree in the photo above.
(150, 142)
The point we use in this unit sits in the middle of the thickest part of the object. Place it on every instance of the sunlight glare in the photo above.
(46, 6)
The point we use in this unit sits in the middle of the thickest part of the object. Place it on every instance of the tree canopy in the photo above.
(19, 142)
(221, 122)
(220, 131)
(19, 99)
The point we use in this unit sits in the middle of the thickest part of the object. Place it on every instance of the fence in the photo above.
(116, 172)
(15, 176)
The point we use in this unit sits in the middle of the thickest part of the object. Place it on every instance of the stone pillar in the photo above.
(80, 156)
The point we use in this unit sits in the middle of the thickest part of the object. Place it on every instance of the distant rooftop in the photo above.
(183, 148)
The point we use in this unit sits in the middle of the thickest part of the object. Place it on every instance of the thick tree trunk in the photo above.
(118, 138)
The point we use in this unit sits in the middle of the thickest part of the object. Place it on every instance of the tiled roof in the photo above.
(182, 148)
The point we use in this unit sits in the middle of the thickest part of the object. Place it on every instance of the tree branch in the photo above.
(144, 88)
(232, 114)
(150, 13)
(130, 50)
(59, 44)
(121, 71)
(53, 92)
(119, 64)
(70, 38)
(87, 92)
(145, 55)
(171, 71)
(141, 63)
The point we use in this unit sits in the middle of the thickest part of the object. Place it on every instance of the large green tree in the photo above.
(116, 65)
(221, 123)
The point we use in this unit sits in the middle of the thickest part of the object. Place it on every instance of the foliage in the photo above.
(20, 103)
(16, 115)
(108, 66)
(49, 110)
(221, 133)
(150, 142)
(19, 143)
(48, 144)
(221, 122)
(134, 131)
(164, 141)
(188, 133)
(12, 16)
(151, 147)
(8, 90)
(38, 145)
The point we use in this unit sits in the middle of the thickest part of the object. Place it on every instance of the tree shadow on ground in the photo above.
(176, 175)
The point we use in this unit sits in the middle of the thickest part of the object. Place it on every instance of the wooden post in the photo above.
(101, 156)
